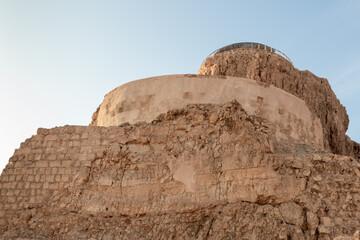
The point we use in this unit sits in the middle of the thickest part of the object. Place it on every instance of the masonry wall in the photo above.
(204, 171)
(289, 117)
(44, 165)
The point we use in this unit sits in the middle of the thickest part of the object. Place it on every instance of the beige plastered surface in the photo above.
(145, 99)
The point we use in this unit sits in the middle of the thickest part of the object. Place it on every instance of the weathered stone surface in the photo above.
(183, 176)
(288, 117)
(271, 69)
(245, 150)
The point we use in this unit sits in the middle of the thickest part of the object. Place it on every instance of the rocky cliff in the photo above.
(201, 172)
(270, 68)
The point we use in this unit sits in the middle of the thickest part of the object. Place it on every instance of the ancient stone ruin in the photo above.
(249, 148)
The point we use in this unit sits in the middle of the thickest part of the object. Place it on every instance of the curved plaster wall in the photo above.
(143, 100)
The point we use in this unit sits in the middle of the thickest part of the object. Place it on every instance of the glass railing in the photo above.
(249, 45)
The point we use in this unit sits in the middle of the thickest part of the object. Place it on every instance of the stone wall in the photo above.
(43, 165)
(289, 117)
(203, 171)
(272, 69)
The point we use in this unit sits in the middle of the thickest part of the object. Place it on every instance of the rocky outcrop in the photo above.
(201, 172)
(270, 68)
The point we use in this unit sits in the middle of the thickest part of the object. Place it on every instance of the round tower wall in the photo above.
(143, 100)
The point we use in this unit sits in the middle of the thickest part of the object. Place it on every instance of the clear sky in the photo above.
(59, 58)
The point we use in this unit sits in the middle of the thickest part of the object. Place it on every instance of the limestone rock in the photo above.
(194, 157)
(155, 180)
(271, 69)
(292, 213)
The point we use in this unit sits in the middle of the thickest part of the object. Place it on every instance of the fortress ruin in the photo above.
(248, 148)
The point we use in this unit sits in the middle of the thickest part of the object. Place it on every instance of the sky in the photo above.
(59, 58)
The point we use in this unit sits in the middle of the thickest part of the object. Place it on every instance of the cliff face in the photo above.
(205, 171)
(272, 69)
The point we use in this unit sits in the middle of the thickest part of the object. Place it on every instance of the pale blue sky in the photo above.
(59, 58)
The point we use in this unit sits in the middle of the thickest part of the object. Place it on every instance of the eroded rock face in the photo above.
(272, 69)
(201, 172)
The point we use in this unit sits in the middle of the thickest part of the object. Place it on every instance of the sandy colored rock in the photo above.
(271, 69)
(142, 100)
(155, 180)
(194, 157)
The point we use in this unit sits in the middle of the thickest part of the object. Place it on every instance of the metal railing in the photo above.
(249, 45)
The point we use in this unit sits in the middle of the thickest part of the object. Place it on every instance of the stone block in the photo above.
(20, 185)
(49, 178)
(42, 164)
(57, 178)
(67, 163)
(32, 199)
(31, 178)
(30, 157)
(85, 163)
(10, 193)
(90, 156)
(40, 171)
(37, 177)
(5, 178)
(53, 186)
(65, 178)
(19, 164)
(82, 157)
(60, 156)
(292, 213)
(28, 171)
(61, 150)
(51, 157)
(3, 192)
(51, 138)
(11, 199)
(82, 175)
(86, 149)
(323, 230)
(2, 222)
(84, 135)
(38, 157)
(75, 137)
(327, 222)
(56, 163)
